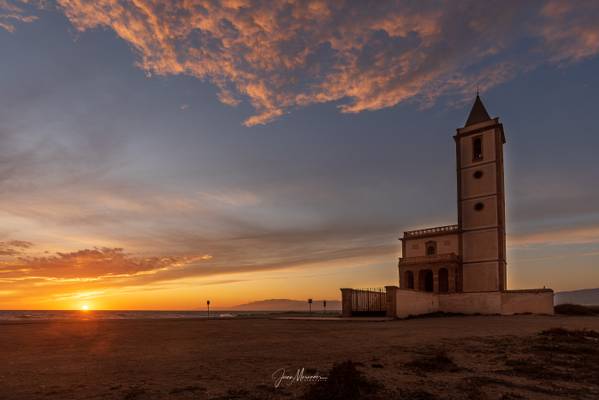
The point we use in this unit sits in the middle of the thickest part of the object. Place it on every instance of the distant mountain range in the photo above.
(287, 305)
(584, 297)
(588, 297)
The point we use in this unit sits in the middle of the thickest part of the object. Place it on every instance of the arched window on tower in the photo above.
(431, 248)
(477, 148)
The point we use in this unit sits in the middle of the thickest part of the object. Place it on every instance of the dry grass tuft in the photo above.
(575, 309)
(438, 361)
(576, 334)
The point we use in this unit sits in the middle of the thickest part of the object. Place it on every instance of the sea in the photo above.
(41, 315)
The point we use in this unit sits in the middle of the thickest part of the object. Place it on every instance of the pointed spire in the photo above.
(478, 113)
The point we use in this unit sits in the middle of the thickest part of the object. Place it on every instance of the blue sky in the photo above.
(143, 166)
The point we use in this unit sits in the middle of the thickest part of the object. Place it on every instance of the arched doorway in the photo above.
(443, 280)
(409, 277)
(425, 278)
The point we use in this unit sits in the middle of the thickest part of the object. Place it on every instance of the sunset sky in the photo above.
(157, 154)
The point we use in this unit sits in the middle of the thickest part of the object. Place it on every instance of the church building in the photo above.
(469, 256)
(459, 268)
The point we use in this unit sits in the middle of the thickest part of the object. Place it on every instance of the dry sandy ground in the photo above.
(482, 357)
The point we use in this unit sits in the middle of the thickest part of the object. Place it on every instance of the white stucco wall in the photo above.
(536, 301)
(480, 277)
(480, 245)
(485, 185)
(446, 244)
(527, 301)
(485, 218)
(471, 303)
(411, 302)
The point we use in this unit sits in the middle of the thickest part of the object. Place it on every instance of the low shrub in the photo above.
(574, 309)
(344, 382)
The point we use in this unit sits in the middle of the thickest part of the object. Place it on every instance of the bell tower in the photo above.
(481, 201)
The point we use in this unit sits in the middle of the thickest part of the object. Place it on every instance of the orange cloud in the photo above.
(282, 55)
(61, 279)
(12, 12)
(367, 56)
(13, 247)
(564, 236)
(88, 264)
(254, 251)
(571, 31)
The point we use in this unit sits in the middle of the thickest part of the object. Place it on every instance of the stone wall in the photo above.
(471, 303)
(402, 303)
(346, 302)
(412, 302)
(538, 301)
(534, 301)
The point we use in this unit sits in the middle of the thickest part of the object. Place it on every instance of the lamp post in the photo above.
(208, 305)
(310, 305)
(324, 305)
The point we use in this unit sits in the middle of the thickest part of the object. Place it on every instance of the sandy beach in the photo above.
(222, 359)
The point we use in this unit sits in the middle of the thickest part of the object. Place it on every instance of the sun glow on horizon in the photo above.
(85, 307)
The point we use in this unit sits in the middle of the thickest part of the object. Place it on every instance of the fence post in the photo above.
(346, 302)
(391, 301)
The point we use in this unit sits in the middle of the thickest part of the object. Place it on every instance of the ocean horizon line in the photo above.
(42, 315)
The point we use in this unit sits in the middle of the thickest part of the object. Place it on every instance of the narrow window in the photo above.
(431, 248)
(477, 148)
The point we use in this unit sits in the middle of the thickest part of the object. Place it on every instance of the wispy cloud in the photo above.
(13, 12)
(13, 247)
(88, 265)
(257, 251)
(367, 56)
(571, 32)
(557, 237)
(118, 219)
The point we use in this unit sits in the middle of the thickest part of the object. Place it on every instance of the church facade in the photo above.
(459, 268)
(471, 255)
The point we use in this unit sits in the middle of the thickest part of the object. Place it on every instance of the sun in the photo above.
(85, 307)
